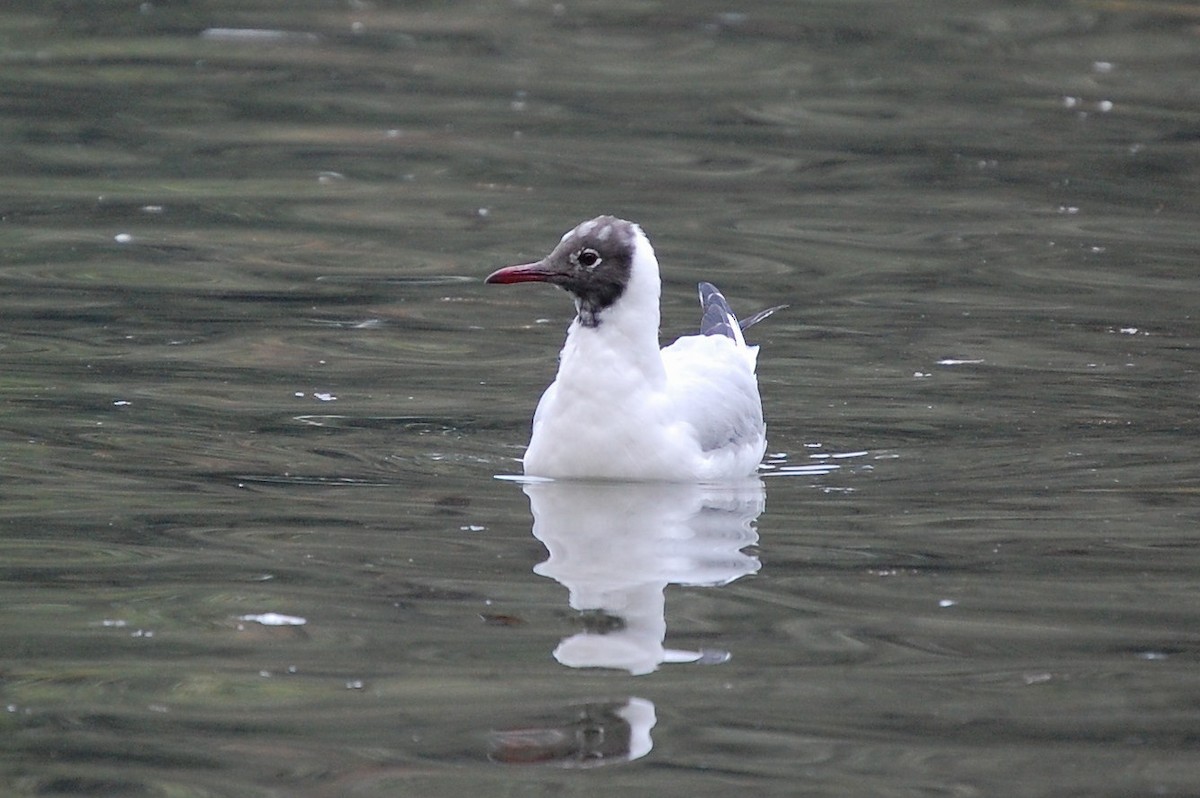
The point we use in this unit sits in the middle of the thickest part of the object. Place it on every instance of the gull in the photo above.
(621, 408)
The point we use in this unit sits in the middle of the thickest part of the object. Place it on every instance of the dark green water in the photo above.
(248, 366)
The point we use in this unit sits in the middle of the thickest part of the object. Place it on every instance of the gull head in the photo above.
(596, 263)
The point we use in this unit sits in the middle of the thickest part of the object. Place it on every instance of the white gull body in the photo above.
(620, 407)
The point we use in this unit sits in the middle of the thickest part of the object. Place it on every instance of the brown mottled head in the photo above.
(593, 262)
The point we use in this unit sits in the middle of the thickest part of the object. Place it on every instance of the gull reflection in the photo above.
(616, 546)
(596, 733)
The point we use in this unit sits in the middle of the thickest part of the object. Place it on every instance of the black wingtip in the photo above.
(762, 314)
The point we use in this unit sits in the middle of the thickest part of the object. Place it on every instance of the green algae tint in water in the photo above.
(253, 398)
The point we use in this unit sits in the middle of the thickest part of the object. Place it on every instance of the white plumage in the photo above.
(620, 407)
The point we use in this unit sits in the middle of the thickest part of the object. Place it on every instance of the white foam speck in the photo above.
(274, 619)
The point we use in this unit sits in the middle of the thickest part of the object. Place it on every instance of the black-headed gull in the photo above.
(620, 407)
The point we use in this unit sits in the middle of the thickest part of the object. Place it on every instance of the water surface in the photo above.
(255, 395)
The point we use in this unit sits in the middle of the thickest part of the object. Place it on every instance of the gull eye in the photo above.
(588, 258)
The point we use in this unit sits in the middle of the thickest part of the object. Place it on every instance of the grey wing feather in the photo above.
(718, 318)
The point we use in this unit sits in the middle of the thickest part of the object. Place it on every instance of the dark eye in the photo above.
(588, 258)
